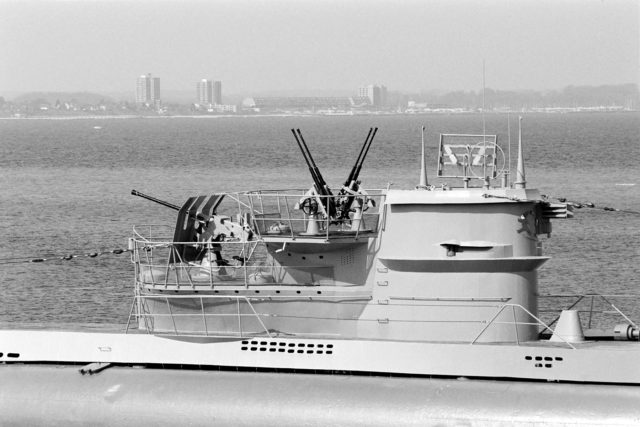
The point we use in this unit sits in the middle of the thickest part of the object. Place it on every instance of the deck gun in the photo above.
(351, 186)
(153, 199)
(201, 216)
(322, 192)
(198, 222)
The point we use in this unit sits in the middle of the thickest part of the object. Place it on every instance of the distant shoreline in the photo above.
(223, 116)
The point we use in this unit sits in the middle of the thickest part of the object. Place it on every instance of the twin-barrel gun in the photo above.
(337, 207)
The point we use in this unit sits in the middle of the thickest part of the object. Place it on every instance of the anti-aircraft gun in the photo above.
(351, 187)
(319, 198)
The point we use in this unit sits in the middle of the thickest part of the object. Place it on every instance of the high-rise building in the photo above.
(204, 91)
(383, 96)
(377, 95)
(217, 92)
(148, 90)
(209, 92)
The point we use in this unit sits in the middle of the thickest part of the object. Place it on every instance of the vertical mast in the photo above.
(507, 174)
(423, 170)
(521, 181)
(484, 130)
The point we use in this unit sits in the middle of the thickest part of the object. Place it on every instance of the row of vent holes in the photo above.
(284, 344)
(546, 358)
(12, 355)
(291, 350)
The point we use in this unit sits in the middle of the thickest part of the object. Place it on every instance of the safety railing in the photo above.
(141, 310)
(292, 213)
(596, 311)
(219, 315)
(163, 265)
(514, 308)
(242, 315)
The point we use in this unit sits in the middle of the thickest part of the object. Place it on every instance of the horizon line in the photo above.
(18, 93)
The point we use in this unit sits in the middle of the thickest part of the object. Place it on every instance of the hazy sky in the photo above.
(102, 46)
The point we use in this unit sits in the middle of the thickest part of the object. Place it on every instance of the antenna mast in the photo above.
(423, 170)
(484, 133)
(508, 173)
(521, 181)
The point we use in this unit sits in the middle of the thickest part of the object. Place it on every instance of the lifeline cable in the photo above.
(591, 205)
(577, 205)
(20, 260)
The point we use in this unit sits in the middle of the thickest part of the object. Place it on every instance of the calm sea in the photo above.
(65, 189)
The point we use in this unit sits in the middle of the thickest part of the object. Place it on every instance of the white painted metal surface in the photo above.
(542, 360)
(61, 396)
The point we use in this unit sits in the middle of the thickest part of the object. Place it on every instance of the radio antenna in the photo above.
(509, 146)
(521, 181)
(423, 170)
(484, 128)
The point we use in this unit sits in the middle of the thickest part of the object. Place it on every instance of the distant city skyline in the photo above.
(369, 99)
(288, 46)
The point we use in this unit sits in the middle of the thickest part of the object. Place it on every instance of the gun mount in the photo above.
(319, 198)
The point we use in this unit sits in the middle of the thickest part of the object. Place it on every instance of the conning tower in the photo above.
(448, 259)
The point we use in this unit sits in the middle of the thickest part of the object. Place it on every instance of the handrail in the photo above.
(355, 297)
(516, 323)
(257, 206)
(257, 316)
(359, 299)
(202, 313)
(592, 296)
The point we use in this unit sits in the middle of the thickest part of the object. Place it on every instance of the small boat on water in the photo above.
(433, 281)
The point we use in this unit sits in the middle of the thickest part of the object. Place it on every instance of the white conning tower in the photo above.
(451, 261)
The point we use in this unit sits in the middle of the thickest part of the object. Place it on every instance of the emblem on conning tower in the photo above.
(470, 156)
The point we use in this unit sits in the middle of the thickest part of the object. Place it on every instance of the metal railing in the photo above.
(140, 311)
(148, 318)
(161, 265)
(294, 213)
(596, 310)
(204, 308)
(516, 323)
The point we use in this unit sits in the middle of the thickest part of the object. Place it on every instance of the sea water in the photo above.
(65, 189)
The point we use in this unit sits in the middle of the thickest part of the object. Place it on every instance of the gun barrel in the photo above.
(365, 154)
(321, 184)
(355, 165)
(153, 199)
(316, 181)
(346, 200)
